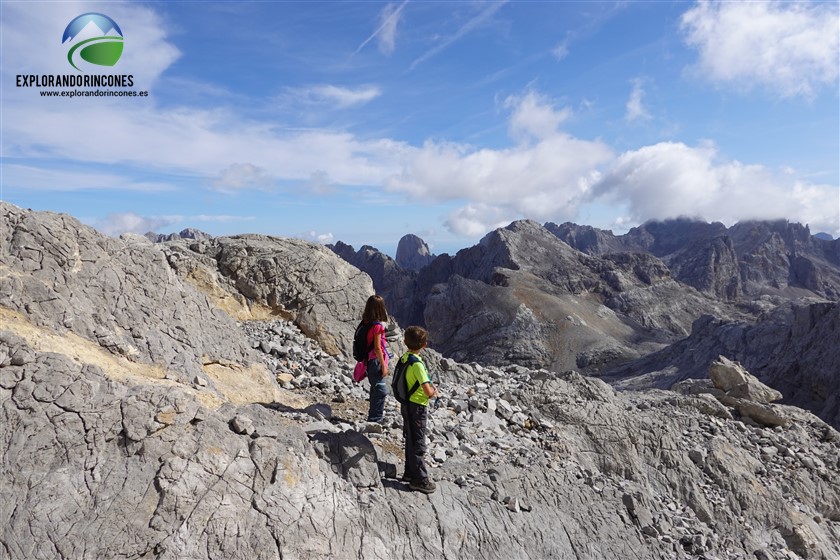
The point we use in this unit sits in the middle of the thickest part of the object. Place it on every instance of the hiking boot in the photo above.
(405, 478)
(425, 486)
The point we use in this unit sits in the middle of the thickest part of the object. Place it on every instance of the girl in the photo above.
(377, 367)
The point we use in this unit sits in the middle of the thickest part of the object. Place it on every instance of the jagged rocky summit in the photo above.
(751, 258)
(168, 428)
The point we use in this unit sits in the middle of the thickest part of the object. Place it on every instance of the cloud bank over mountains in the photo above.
(544, 172)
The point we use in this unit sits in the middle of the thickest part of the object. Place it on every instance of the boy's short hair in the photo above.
(415, 338)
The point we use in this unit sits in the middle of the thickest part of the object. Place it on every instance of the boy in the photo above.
(415, 412)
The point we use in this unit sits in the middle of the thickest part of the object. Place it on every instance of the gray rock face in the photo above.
(413, 253)
(659, 238)
(294, 279)
(793, 349)
(521, 295)
(731, 378)
(62, 275)
(735, 387)
(538, 302)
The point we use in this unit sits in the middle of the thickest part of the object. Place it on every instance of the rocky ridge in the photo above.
(746, 260)
(188, 233)
(114, 297)
(620, 305)
(524, 296)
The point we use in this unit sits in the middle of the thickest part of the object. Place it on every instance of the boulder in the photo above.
(731, 378)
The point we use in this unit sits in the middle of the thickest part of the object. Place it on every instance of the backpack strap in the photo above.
(412, 359)
(369, 346)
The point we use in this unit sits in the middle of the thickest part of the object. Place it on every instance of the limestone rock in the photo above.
(748, 259)
(508, 299)
(298, 280)
(109, 299)
(390, 280)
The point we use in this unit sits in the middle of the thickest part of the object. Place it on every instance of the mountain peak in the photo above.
(413, 253)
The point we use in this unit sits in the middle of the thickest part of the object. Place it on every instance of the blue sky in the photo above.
(364, 121)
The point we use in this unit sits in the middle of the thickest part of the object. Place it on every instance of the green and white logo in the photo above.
(93, 38)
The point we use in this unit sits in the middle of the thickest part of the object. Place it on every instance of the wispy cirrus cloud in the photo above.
(336, 96)
(561, 50)
(790, 48)
(471, 25)
(39, 178)
(386, 33)
(635, 109)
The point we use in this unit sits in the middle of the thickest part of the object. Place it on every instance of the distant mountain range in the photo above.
(576, 297)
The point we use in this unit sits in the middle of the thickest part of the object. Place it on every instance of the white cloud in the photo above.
(534, 116)
(117, 223)
(218, 218)
(622, 223)
(312, 235)
(561, 51)
(339, 97)
(34, 178)
(154, 140)
(668, 180)
(635, 109)
(129, 222)
(474, 220)
(320, 183)
(547, 175)
(241, 176)
(789, 48)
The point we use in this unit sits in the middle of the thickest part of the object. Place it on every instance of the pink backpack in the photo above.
(359, 372)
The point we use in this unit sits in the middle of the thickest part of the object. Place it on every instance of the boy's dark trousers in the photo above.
(414, 430)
